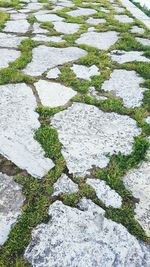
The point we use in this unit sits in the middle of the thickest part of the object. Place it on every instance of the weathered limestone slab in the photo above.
(7, 56)
(44, 38)
(48, 17)
(53, 94)
(37, 29)
(81, 12)
(18, 16)
(9, 40)
(123, 18)
(138, 182)
(11, 200)
(143, 41)
(18, 123)
(53, 73)
(127, 88)
(105, 193)
(64, 185)
(84, 72)
(34, 6)
(88, 135)
(83, 238)
(136, 29)
(18, 27)
(122, 56)
(100, 40)
(66, 28)
(49, 57)
(95, 21)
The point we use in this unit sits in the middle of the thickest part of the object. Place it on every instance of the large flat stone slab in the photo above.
(66, 28)
(88, 135)
(81, 12)
(48, 17)
(44, 38)
(122, 56)
(11, 200)
(53, 94)
(18, 123)
(7, 56)
(128, 89)
(45, 58)
(84, 238)
(100, 40)
(143, 41)
(64, 185)
(17, 27)
(84, 72)
(95, 21)
(123, 18)
(9, 40)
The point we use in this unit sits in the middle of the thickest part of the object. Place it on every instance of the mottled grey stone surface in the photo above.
(88, 135)
(95, 21)
(11, 200)
(53, 94)
(18, 123)
(44, 38)
(136, 29)
(48, 17)
(105, 193)
(64, 185)
(66, 28)
(9, 40)
(143, 41)
(49, 57)
(84, 72)
(37, 29)
(138, 182)
(53, 73)
(81, 12)
(100, 40)
(123, 18)
(7, 56)
(74, 238)
(122, 56)
(17, 27)
(126, 84)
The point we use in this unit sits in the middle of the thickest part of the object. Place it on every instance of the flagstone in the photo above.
(95, 21)
(136, 29)
(64, 185)
(121, 56)
(14, 26)
(88, 135)
(53, 73)
(123, 18)
(44, 38)
(84, 72)
(37, 29)
(7, 56)
(48, 17)
(9, 40)
(66, 28)
(143, 41)
(18, 124)
(81, 12)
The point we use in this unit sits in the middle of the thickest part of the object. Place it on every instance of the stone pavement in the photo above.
(74, 134)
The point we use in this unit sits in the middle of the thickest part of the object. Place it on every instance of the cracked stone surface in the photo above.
(49, 57)
(19, 121)
(123, 18)
(66, 28)
(122, 56)
(64, 185)
(17, 27)
(128, 89)
(105, 193)
(9, 40)
(11, 200)
(53, 94)
(143, 41)
(136, 29)
(7, 56)
(100, 40)
(89, 134)
(53, 73)
(84, 72)
(89, 239)
(95, 21)
(138, 182)
(81, 12)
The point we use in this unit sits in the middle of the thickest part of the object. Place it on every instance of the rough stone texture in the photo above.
(81, 12)
(95, 21)
(105, 193)
(123, 18)
(83, 238)
(43, 38)
(122, 56)
(48, 17)
(89, 134)
(136, 29)
(53, 94)
(84, 72)
(18, 27)
(7, 56)
(53, 73)
(11, 200)
(9, 40)
(66, 28)
(37, 29)
(95, 94)
(143, 41)
(64, 185)
(18, 123)
(49, 57)
(100, 40)
(138, 182)
(18, 16)
(127, 88)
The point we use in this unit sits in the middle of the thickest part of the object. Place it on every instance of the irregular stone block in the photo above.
(122, 56)
(7, 56)
(9, 40)
(123, 18)
(64, 185)
(66, 28)
(14, 26)
(83, 72)
(53, 73)
(95, 21)
(143, 41)
(81, 12)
